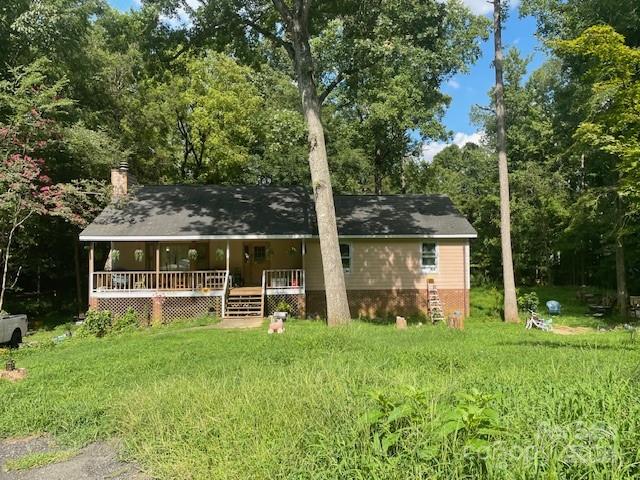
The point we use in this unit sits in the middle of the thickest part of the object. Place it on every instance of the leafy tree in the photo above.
(611, 125)
(364, 36)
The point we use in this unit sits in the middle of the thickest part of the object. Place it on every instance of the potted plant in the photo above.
(114, 254)
(138, 254)
(192, 254)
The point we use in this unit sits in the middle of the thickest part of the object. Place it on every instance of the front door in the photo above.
(256, 259)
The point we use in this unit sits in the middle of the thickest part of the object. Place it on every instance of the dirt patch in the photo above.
(97, 461)
(13, 375)
(564, 330)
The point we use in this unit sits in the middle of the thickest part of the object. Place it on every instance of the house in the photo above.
(176, 251)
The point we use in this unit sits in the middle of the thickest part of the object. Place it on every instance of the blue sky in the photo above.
(470, 88)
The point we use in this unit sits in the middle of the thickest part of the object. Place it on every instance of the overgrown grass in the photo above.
(364, 401)
(487, 306)
(39, 459)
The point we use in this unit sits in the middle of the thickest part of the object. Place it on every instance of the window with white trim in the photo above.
(345, 255)
(429, 257)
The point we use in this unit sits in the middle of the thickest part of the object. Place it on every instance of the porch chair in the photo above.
(554, 307)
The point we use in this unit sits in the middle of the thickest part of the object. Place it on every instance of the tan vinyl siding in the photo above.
(127, 259)
(391, 264)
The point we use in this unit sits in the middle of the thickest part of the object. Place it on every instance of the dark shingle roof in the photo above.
(217, 211)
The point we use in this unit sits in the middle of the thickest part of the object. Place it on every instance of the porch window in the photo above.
(429, 257)
(345, 255)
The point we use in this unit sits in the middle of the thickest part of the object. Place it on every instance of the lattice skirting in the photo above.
(118, 306)
(296, 302)
(174, 308)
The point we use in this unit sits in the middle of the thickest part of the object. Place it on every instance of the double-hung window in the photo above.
(345, 255)
(429, 257)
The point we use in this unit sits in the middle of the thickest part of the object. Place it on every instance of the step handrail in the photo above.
(225, 293)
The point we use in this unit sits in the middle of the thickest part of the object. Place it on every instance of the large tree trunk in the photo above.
(510, 301)
(621, 281)
(76, 264)
(337, 305)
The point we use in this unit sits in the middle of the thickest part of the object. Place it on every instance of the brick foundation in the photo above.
(389, 303)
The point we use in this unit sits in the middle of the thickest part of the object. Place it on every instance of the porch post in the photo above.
(228, 256)
(157, 257)
(303, 312)
(92, 301)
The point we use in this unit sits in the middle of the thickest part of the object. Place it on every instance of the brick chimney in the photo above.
(120, 180)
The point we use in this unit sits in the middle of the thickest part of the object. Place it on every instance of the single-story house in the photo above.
(175, 251)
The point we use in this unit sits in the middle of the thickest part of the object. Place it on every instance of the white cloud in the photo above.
(482, 7)
(453, 84)
(430, 150)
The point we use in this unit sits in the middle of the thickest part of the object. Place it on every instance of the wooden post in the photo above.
(228, 256)
(157, 265)
(92, 303)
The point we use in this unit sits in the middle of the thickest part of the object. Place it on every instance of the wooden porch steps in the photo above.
(245, 302)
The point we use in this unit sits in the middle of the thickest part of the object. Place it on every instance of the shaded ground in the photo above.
(97, 461)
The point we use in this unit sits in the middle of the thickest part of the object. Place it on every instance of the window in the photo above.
(429, 257)
(345, 255)
(259, 253)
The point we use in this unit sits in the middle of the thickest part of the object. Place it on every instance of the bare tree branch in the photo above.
(329, 88)
(270, 35)
(283, 10)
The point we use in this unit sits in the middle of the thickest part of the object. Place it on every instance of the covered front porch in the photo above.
(219, 270)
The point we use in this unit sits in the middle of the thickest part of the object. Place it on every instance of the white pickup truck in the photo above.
(12, 329)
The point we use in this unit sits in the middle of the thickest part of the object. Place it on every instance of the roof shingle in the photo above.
(219, 211)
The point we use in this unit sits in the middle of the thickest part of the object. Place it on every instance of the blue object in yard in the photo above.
(554, 307)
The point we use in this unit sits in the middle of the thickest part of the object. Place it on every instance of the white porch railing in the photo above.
(162, 281)
(284, 280)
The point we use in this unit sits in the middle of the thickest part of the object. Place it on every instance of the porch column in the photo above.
(157, 258)
(156, 301)
(304, 253)
(303, 306)
(228, 256)
(93, 303)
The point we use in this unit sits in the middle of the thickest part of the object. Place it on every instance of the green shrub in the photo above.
(127, 322)
(283, 307)
(97, 323)
(528, 301)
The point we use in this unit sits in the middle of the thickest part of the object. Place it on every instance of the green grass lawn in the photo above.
(363, 401)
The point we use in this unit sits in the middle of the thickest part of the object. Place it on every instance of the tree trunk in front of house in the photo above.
(377, 172)
(335, 289)
(510, 300)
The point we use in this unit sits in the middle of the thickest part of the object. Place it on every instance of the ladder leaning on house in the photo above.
(436, 310)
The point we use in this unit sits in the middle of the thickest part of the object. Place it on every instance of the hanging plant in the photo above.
(138, 254)
(192, 254)
(114, 254)
(220, 253)
(293, 251)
